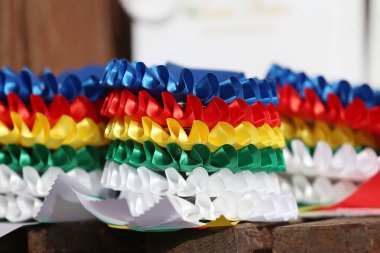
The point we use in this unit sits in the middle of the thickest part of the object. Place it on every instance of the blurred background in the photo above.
(337, 38)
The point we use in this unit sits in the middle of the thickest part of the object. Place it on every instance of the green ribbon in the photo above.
(41, 158)
(157, 158)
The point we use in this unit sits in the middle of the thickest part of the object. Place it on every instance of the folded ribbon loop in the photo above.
(121, 103)
(70, 85)
(137, 76)
(156, 158)
(65, 132)
(223, 133)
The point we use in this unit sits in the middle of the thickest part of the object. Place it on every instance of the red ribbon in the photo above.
(356, 115)
(78, 109)
(121, 103)
(364, 197)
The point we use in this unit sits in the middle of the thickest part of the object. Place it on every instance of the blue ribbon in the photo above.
(70, 84)
(205, 84)
(343, 89)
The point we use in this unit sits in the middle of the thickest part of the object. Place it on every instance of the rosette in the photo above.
(41, 158)
(121, 103)
(70, 85)
(65, 132)
(137, 76)
(156, 158)
(223, 133)
(335, 136)
(17, 208)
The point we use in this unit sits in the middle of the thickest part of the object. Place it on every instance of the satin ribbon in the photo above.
(223, 133)
(137, 76)
(65, 132)
(41, 158)
(18, 208)
(121, 103)
(156, 158)
(335, 136)
(126, 178)
(341, 89)
(70, 85)
(344, 163)
(319, 190)
(78, 109)
(355, 115)
(30, 182)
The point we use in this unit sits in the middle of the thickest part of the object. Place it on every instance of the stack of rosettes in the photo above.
(48, 125)
(205, 143)
(332, 134)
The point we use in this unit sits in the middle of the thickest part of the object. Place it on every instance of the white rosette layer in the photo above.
(345, 163)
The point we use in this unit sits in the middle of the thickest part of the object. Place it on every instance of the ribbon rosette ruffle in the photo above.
(242, 196)
(137, 76)
(126, 178)
(344, 163)
(121, 103)
(156, 158)
(223, 133)
(335, 136)
(18, 208)
(78, 109)
(342, 90)
(316, 191)
(355, 115)
(41, 158)
(84, 82)
(65, 132)
(34, 184)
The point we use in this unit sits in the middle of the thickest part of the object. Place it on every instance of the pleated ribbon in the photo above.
(71, 84)
(342, 90)
(223, 133)
(335, 136)
(355, 115)
(18, 208)
(41, 158)
(156, 158)
(32, 182)
(137, 76)
(140, 180)
(78, 109)
(65, 132)
(344, 163)
(121, 103)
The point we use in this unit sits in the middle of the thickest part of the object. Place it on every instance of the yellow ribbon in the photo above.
(223, 133)
(311, 133)
(65, 132)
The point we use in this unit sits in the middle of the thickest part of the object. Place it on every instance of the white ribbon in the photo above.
(34, 184)
(17, 208)
(142, 180)
(319, 190)
(344, 164)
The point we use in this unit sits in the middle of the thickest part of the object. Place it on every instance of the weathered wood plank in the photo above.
(83, 237)
(244, 237)
(333, 235)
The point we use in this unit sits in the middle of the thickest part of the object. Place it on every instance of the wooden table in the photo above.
(331, 235)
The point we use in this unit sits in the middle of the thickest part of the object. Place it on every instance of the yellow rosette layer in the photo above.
(65, 132)
(335, 136)
(223, 133)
